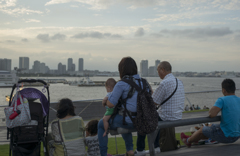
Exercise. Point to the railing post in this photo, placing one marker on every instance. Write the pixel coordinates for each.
(151, 139)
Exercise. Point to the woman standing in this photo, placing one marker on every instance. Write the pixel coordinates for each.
(127, 69)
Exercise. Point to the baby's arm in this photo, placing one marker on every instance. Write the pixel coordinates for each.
(104, 101)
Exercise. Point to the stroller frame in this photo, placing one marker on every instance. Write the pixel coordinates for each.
(45, 119)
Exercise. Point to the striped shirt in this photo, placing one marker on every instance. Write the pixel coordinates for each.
(173, 108)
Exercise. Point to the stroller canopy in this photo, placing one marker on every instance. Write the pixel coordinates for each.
(33, 93)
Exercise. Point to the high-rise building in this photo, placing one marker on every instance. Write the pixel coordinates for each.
(60, 68)
(151, 71)
(73, 67)
(24, 63)
(80, 64)
(36, 66)
(70, 62)
(144, 68)
(5, 64)
(64, 71)
(156, 65)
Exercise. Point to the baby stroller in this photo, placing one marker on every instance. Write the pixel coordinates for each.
(26, 140)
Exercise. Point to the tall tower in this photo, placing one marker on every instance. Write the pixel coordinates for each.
(80, 64)
(24, 63)
(144, 68)
(70, 62)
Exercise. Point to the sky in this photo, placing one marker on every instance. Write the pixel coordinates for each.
(193, 35)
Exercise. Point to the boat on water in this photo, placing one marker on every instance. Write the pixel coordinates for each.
(76, 83)
(7, 79)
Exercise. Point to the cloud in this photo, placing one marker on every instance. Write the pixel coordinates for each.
(24, 40)
(10, 41)
(46, 38)
(32, 21)
(140, 32)
(58, 36)
(200, 24)
(198, 32)
(19, 11)
(116, 36)
(95, 34)
(43, 37)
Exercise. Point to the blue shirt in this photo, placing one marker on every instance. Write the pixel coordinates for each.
(230, 120)
(121, 89)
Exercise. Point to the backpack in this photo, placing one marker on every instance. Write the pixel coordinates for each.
(168, 140)
(146, 119)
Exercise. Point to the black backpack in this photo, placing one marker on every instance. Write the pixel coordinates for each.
(146, 119)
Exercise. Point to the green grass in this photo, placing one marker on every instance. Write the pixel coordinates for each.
(201, 110)
(4, 149)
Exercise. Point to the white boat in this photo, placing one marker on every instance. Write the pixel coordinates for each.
(87, 82)
(76, 83)
(7, 79)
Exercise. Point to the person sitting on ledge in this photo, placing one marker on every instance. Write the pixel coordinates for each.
(205, 107)
(197, 108)
(228, 131)
(186, 108)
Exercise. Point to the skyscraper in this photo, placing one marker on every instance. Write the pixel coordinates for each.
(36, 66)
(144, 67)
(24, 63)
(70, 62)
(5, 64)
(80, 64)
(156, 65)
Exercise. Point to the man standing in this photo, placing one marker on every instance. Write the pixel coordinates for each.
(228, 131)
(171, 109)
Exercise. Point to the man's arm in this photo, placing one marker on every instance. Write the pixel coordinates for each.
(214, 111)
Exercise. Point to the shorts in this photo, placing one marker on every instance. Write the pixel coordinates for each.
(109, 112)
(215, 133)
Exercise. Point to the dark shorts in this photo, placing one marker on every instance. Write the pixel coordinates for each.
(215, 133)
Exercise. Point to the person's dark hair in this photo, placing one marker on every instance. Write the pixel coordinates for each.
(127, 66)
(65, 107)
(166, 66)
(92, 127)
(229, 85)
(111, 82)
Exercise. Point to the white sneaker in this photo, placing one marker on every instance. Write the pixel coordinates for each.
(157, 150)
(139, 153)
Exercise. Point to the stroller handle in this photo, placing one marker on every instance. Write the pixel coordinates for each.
(32, 81)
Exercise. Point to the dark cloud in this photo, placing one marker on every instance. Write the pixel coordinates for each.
(116, 36)
(24, 40)
(46, 38)
(43, 37)
(156, 35)
(140, 32)
(107, 34)
(96, 34)
(58, 36)
(10, 41)
(198, 32)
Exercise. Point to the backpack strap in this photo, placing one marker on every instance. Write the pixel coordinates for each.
(170, 95)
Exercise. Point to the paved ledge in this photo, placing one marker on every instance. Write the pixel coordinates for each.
(207, 150)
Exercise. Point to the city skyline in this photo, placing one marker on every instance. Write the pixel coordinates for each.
(195, 35)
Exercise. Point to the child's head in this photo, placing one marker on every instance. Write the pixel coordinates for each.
(110, 83)
(92, 127)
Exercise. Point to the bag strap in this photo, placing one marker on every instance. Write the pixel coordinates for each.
(170, 95)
